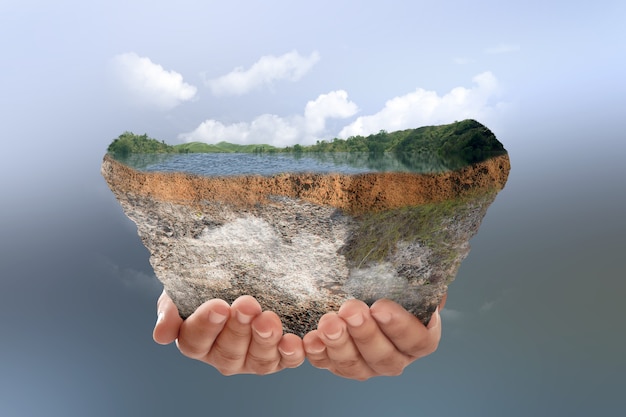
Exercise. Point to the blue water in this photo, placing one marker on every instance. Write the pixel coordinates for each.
(226, 164)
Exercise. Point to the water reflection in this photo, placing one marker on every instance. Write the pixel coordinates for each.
(218, 164)
(389, 162)
(144, 161)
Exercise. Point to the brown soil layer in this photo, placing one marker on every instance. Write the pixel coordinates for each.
(353, 194)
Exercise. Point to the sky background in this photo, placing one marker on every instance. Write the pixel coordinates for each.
(534, 322)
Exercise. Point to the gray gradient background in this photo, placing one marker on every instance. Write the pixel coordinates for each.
(534, 324)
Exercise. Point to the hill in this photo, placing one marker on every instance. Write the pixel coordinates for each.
(466, 140)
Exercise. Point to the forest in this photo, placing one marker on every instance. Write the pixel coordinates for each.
(467, 140)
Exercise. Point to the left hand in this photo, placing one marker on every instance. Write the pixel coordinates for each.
(235, 339)
(360, 342)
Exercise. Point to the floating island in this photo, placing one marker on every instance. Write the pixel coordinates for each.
(303, 242)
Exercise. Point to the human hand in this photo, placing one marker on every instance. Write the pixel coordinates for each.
(360, 342)
(235, 339)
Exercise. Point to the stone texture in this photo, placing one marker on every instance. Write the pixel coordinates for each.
(304, 243)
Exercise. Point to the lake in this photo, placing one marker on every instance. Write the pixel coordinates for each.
(217, 164)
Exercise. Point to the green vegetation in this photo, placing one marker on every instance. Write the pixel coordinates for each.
(432, 225)
(128, 143)
(223, 147)
(467, 141)
(375, 143)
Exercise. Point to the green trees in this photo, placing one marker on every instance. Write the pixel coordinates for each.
(129, 142)
(470, 141)
(467, 142)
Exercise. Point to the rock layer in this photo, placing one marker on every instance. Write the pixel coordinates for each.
(303, 243)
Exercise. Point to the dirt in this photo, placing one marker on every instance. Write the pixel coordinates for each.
(353, 194)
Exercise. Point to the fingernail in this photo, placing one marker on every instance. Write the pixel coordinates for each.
(355, 320)
(216, 318)
(160, 316)
(243, 318)
(315, 350)
(434, 319)
(286, 352)
(334, 335)
(382, 317)
(263, 335)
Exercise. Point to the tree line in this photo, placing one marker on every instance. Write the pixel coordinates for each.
(467, 140)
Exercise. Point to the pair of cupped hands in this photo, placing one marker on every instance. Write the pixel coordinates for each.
(357, 342)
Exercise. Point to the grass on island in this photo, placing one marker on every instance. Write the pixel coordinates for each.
(433, 225)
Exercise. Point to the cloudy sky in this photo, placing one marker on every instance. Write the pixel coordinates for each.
(336, 70)
(282, 74)
(534, 322)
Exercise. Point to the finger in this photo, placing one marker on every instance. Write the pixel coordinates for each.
(168, 321)
(199, 331)
(291, 351)
(230, 349)
(434, 335)
(377, 351)
(315, 350)
(404, 330)
(344, 356)
(434, 326)
(263, 356)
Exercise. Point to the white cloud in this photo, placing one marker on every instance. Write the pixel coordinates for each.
(503, 48)
(269, 68)
(275, 130)
(150, 85)
(332, 105)
(268, 128)
(418, 108)
(423, 107)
